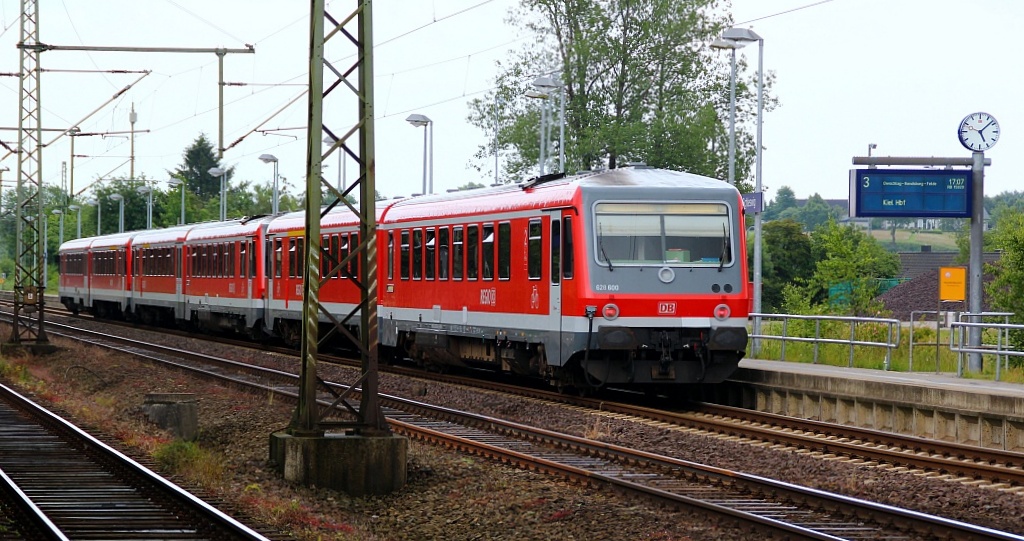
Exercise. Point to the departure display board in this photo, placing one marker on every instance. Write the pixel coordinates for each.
(910, 193)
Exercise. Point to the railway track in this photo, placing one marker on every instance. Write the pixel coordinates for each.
(60, 483)
(991, 468)
(765, 506)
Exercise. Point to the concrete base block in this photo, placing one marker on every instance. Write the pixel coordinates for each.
(176, 412)
(356, 465)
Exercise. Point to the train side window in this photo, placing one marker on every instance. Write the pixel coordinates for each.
(487, 252)
(417, 254)
(291, 256)
(252, 259)
(232, 268)
(458, 253)
(278, 257)
(391, 255)
(344, 251)
(431, 255)
(336, 255)
(556, 250)
(504, 251)
(442, 253)
(472, 251)
(567, 248)
(533, 249)
(353, 245)
(403, 261)
(243, 258)
(300, 257)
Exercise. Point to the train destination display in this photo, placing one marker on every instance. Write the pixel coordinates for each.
(910, 193)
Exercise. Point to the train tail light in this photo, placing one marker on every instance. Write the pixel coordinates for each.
(722, 312)
(610, 311)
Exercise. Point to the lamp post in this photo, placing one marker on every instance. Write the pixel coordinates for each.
(270, 158)
(99, 230)
(543, 125)
(547, 84)
(146, 190)
(742, 35)
(60, 234)
(732, 45)
(176, 182)
(427, 124)
(342, 163)
(120, 221)
(223, 174)
(78, 211)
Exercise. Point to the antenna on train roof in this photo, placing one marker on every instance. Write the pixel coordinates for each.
(541, 180)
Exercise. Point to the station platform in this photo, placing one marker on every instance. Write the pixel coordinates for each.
(936, 406)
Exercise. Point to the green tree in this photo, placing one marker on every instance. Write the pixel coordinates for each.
(784, 199)
(1006, 290)
(786, 259)
(640, 84)
(198, 159)
(848, 259)
(815, 213)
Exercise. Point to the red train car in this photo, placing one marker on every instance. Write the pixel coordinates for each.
(339, 230)
(631, 277)
(634, 277)
(224, 277)
(95, 274)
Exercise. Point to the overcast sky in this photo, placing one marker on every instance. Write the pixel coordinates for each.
(897, 73)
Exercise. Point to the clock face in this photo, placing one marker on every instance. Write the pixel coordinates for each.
(978, 132)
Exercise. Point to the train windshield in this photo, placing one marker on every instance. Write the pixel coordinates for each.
(658, 234)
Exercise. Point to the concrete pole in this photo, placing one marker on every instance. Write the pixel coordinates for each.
(756, 344)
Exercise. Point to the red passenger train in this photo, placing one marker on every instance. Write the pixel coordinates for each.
(633, 277)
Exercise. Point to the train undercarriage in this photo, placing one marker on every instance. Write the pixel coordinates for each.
(632, 359)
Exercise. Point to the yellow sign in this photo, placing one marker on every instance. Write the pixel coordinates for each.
(952, 283)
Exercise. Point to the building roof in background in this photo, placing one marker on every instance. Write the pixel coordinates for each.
(916, 263)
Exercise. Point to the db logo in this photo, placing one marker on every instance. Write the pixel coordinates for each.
(666, 308)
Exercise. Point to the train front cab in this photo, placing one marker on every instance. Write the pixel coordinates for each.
(662, 297)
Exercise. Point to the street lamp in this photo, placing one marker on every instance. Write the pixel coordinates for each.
(223, 174)
(547, 84)
(270, 158)
(742, 35)
(146, 190)
(418, 121)
(78, 210)
(732, 45)
(175, 182)
(60, 235)
(543, 124)
(342, 163)
(99, 208)
(120, 222)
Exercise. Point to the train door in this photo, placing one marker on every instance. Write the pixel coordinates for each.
(554, 278)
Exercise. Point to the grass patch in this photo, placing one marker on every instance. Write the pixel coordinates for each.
(189, 460)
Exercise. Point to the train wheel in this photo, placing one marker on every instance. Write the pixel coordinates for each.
(290, 333)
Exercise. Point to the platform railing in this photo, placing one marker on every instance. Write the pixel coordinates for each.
(893, 329)
(1001, 347)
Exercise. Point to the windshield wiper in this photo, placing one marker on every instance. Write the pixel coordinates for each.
(725, 248)
(600, 246)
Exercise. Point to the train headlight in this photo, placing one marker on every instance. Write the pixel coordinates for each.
(722, 312)
(610, 311)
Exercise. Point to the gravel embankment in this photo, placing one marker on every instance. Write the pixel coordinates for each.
(452, 496)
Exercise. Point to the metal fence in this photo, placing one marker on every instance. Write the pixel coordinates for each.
(1001, 347)
(892, 340)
